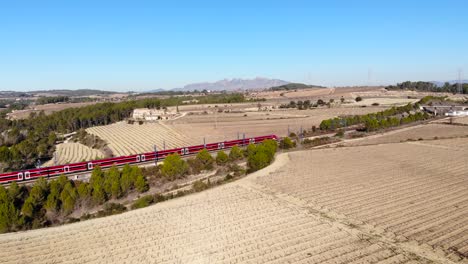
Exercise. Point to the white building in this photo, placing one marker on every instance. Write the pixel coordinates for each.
(153, 114)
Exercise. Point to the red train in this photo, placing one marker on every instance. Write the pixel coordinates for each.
(27, 175)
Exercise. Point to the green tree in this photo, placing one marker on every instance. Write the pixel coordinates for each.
(221, 158)
(16, 194)
(141, 184)
(173, 167)
(53, 199)
(206, 159)
(96, 183)
(36, 199)
(112, 182)
(9, 215)
(258, 160)
(126, 180)
(262, 155)
(68, 198)
(83, 191)
(98, 195)
(236, 153)
(251, 149)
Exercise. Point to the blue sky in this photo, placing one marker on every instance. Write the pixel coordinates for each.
(141, 45)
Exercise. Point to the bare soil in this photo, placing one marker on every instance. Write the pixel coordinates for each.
(394, 203)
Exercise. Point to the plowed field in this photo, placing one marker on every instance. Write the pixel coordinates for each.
(395, 203)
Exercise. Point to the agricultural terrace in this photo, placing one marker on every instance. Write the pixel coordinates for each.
(125, 139)
(74, 152)
(398, 203)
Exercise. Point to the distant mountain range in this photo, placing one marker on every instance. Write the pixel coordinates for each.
(234, 85)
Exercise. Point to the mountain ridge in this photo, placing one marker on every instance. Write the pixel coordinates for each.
(234, 84)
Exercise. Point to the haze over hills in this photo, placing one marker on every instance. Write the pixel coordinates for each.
(234, 84)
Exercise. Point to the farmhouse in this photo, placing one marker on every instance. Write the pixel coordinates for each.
(153, 114)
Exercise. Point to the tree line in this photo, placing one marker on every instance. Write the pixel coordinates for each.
(307, 104)
(46, 202)
(394, 116)
(429, 87)
(52, 99)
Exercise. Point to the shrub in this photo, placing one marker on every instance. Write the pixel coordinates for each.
(199, 186)
(236, 153)
(236, 169)
(340, 133)
(112, 209)
(143, 202)
(317, 141)
(358, 99)
(174, 167)
(375, 104)
(258, 161)
(260, 156)
(287, 143)
(206, 159)
(222, 158)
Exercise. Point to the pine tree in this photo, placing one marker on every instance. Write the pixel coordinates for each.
(9, 215)
(126, 180)
(99, 196)
(83, 191)
(174, 167)
(222, 158)
(96, 186)
(53, 203)
(206, 159)
(68, 198)
(235, 153)
(141, 184)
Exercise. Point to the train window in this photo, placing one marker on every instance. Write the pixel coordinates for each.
(66, 169)
(186, 151)
(137, 158)
(252, 140)
(143, 158)
(27, 175)
(90, 166)
(221, 145)
(20, 176)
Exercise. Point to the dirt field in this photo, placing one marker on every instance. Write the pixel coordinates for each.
(228, 125)
(47, 108)
(125, 139)
(399, 203)
(426, 132)
(409, 193)
(456, 120)
(74, 152)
